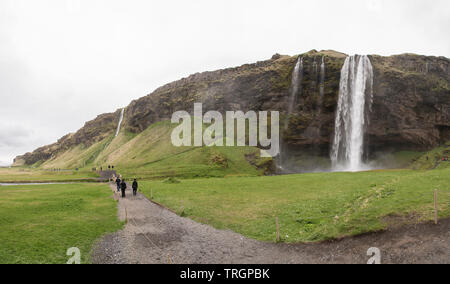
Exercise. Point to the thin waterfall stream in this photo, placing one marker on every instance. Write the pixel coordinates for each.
(120, 122)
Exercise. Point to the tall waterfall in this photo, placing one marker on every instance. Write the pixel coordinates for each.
(314, 66)
(321, 94)
(355, 98)
(297, 78)
(120, 122)
(322, 80)
(295, 90)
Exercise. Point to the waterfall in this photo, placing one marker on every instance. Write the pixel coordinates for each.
(319, 107)
(314, 66)
(120, 122)
(322, 84)
(314, 74)
(355, 97)
(296, 81)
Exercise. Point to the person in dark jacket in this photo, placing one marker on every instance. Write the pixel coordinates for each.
(123, 186)
(118, 184)
(135, 187)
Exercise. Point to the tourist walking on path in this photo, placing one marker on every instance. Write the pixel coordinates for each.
(118, 181)
(123, 186)
(135, 187)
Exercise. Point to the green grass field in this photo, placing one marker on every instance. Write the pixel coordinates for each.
(219, 186)
(39, 223)
(23, 174)
(307, 204)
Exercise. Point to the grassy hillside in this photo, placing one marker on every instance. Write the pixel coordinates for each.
(151, 154)
(310, 207)
(39, 223)
(77, 157)
(433, 159)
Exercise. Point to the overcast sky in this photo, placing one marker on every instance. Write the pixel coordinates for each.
(62, 62)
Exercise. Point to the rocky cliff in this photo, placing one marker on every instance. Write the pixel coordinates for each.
(411, 103)
(411, 108)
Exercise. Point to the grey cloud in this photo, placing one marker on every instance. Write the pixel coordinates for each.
(14, 135)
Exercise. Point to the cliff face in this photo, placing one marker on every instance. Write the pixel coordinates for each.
(411, 106)
(258, 86)
(261, 86)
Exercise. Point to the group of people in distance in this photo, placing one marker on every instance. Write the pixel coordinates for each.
(122, 186)
(109, 168)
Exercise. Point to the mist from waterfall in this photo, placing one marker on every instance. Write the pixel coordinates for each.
(120, 122)
(355, 99)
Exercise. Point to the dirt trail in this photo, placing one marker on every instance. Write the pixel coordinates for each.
(107, 174)
(156, 235)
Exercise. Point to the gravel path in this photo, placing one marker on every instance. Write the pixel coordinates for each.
(156, 235)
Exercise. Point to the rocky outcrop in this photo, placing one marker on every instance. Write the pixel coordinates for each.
(262, 85)
(410, 110)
